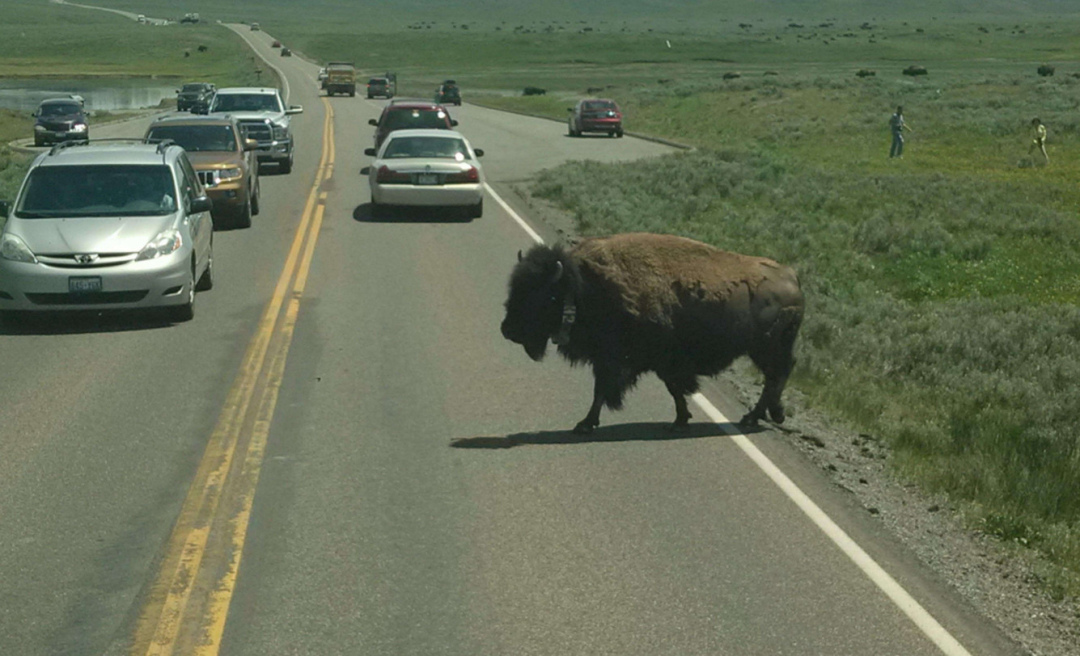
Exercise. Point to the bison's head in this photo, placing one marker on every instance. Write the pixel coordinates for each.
(540, 285)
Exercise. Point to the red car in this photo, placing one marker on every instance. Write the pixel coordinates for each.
(275, 44)
(411, 115)
(595, 115)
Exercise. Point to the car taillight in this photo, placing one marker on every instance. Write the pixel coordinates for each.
(385, 174)
(468, 175)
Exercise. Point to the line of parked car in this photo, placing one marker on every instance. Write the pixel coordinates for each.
(129, 223)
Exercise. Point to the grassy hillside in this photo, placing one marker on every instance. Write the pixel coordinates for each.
(659, 12)
(43, 39)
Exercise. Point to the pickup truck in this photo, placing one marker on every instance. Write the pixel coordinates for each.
(340, 78)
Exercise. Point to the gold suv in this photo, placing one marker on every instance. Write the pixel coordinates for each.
(224, 160)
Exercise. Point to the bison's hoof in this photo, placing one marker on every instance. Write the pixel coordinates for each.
(777, 415)
(749, 420)
(584, 427)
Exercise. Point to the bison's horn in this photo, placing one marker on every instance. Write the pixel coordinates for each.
(558, 272)
(520, 256)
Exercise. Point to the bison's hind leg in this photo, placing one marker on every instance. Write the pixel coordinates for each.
(775, 361)
(680, 385)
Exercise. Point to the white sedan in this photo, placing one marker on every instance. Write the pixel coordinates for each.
(426, 168)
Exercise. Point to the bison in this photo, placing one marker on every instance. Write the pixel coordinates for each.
(634, 303)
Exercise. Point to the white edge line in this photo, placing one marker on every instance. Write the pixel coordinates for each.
(893, 590)
(886, 583)
(514, 215)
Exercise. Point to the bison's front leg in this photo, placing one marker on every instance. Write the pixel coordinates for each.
(592, 420)
(680, 386)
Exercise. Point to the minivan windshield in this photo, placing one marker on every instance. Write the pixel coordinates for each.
(245, 102)
(197, 138)
(97, 190)
(193, 87)
(59, 109)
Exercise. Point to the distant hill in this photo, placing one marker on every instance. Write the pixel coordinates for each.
(664, 13)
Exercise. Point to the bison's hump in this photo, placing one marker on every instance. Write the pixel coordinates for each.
(654, 273)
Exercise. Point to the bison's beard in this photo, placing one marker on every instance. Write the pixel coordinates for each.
(536, 348)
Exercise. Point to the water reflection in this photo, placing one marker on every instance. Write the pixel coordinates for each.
(101, 95)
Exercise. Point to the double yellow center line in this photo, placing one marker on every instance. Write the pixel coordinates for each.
(188, 602)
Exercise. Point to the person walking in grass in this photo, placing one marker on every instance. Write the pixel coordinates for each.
(897, 125)
(1038, 139)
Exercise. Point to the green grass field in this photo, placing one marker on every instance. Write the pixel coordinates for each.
(942, 288)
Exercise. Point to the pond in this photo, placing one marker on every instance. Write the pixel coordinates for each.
(101, 95)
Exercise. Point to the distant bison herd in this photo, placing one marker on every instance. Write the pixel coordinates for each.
(634, 303)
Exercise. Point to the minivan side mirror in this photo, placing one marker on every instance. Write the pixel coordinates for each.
(250, 144)
(201, 204)
(294, 109)
(5, 208)
(370, 152)
(372, 121)
(479, 152)
(453, 123)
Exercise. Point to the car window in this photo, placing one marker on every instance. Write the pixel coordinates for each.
(416, 119)
(246, 102)
(197, 138)
(59, 109)
(598, 105)
(427, 147)
(97, 190)
(193, 87)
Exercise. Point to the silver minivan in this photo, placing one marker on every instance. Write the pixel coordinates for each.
(107, 226)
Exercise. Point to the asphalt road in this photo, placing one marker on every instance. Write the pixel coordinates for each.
(406, 484)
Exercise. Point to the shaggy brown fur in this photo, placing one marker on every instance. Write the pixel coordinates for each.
(660, 303)
(655, 273)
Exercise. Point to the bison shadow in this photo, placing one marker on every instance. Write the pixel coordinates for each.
(363, 214)
(636, 432)
(79, 322)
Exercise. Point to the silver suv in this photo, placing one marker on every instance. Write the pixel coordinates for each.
(263, 117)
(107, 226)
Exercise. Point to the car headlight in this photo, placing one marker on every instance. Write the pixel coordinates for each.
(230, 174)
(165, 243)
(15, 249)
(79, 127)
(280, 132)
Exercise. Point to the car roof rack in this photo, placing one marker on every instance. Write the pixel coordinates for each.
(162, 144)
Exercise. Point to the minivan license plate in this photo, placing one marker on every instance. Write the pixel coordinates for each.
(84, 285)
(427, 179)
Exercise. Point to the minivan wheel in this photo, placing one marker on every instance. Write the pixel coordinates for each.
(286, 166)
(185, 312)
(206, 280)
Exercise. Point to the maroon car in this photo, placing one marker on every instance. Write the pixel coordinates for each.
(411, 115)
(595, 115)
